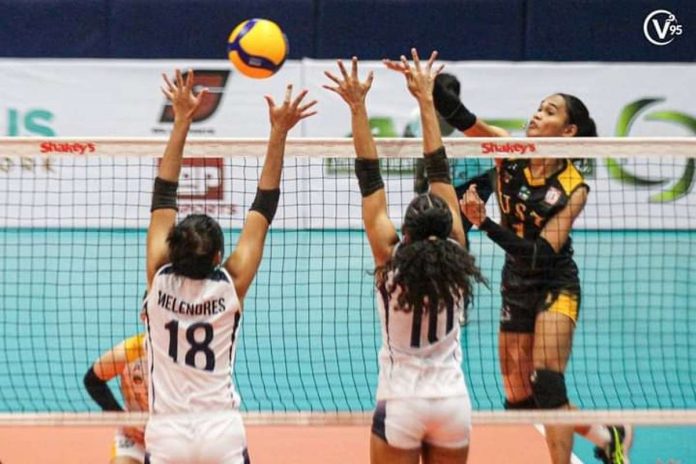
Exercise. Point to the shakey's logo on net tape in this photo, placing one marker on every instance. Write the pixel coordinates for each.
(661, 27)
(215, 80)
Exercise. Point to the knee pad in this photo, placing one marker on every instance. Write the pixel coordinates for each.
(549, 389)
(527, 403)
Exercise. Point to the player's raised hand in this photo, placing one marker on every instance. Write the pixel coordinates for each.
(284, 116)
(180, 93)
(472, 206)
(420, 78)
(348, 86)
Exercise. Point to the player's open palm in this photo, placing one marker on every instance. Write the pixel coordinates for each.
(348, 86)
(180, 94)
(284, 116)
(420, 78)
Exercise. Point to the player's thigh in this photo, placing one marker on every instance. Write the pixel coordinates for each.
(438, 455)
(553, 339)
(382, 452)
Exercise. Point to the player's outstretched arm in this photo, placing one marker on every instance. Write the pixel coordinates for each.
(109, 365)
(164, 208)
(454, 112)
(420, 79)
(246, 258)
(381, 232)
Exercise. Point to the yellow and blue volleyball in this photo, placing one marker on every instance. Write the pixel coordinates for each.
(257, 48)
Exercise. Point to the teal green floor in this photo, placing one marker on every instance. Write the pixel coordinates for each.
(310, 331)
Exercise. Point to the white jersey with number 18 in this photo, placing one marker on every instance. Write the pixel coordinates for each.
(192, 327)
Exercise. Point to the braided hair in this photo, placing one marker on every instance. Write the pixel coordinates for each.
(431, 271)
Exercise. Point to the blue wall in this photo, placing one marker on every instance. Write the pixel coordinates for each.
(550, 30)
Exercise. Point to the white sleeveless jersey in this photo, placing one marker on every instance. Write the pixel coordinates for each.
(419, 357)
(134, 377)
(192, 328)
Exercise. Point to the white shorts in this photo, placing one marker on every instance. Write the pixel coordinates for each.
(408, 423)
(124, 447)
(206, 438)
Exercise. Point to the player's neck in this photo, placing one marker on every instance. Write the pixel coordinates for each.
(541, 168)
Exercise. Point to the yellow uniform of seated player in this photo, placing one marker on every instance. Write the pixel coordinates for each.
(128, 362)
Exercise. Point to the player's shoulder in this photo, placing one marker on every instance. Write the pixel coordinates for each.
(570, 178)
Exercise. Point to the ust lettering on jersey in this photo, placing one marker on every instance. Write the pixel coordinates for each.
(526, 204)
(192, 326)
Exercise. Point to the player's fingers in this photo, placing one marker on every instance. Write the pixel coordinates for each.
(306, 115)
(416, 59)
(333, 89)
(288, 94)
(168, 82)
(332, 77)
(167, 93)
(189, 79)
(439, 69)
(342, 68)
(354, 67)
(307, 106)
(431, 60)
(179, 79)
(370, 78)
(296, 102)
(269, 101)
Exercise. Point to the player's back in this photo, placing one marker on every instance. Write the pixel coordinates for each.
(192, 327)
(421, 353)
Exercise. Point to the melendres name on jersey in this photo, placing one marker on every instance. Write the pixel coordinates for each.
(176, 305)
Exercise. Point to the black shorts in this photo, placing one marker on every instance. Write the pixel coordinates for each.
(524, 297)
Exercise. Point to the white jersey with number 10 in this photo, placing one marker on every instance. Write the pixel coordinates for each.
(192, 327)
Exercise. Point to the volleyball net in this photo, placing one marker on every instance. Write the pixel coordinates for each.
(73, 220)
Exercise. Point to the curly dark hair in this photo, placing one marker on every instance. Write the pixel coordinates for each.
(193, 244)
(431, 270)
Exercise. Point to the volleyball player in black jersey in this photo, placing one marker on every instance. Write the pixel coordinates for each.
(539, 201)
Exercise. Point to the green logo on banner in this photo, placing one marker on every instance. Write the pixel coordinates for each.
(627, 118)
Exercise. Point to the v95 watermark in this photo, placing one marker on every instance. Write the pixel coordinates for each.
(661, 27)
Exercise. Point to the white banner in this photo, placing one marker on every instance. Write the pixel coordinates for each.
(84, 98)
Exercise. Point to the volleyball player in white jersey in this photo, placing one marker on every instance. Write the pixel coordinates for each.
(423, 282)
(128, 362)
(194, 301)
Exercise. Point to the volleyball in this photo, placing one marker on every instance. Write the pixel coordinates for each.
(257, 48)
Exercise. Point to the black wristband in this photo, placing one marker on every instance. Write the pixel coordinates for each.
(369, 177)
(266, 203)
(164, 195)
(100, 392)
(449, 106)
(437, 167)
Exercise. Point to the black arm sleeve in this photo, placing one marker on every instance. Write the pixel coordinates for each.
(537, 254)
(100, 392)
(449, 106)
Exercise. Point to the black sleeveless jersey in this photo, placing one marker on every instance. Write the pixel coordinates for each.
(527, 204)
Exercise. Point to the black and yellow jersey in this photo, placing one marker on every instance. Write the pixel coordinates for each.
(527, 204)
